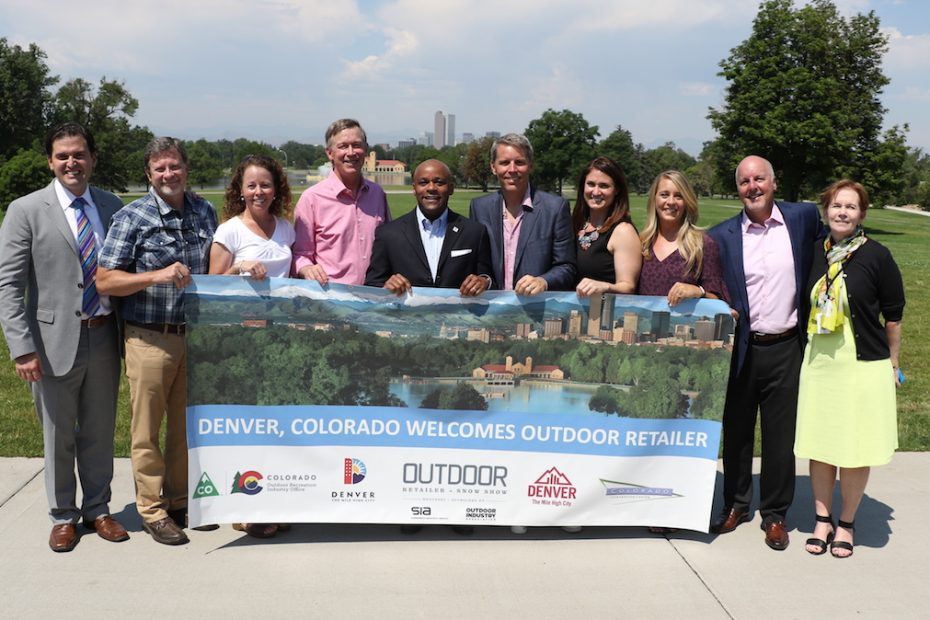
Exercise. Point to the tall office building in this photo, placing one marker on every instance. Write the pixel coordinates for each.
(450, 130)
(439, 130)
(660, 324)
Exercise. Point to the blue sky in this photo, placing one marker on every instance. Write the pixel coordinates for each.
(276, 70)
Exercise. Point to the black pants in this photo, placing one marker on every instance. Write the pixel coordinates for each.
(767, 384)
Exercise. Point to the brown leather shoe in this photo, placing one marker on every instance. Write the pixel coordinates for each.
(63, 538)
(729, 519)
(776, 535)
(165, 531)
(108, 528)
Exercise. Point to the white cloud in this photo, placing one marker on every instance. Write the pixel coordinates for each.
(696, 89)
(907, 52)
(400, 45)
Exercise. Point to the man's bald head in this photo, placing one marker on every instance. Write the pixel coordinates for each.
(433, 185)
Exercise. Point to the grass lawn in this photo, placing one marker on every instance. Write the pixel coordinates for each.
(906, 235)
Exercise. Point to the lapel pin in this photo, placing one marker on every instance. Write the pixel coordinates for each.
(455, 229)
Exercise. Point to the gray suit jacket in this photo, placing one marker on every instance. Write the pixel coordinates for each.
(546, 247)
(41, 284)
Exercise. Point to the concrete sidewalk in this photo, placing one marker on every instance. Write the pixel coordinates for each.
(371, 571)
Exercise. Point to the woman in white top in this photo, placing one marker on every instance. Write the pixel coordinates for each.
(256, 238)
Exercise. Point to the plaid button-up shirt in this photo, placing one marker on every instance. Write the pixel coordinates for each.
(147, 235)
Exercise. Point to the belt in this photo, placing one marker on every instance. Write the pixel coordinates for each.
(96, 321)
(165, 328)
(759, 338)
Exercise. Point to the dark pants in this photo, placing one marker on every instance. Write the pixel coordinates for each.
(767, 384)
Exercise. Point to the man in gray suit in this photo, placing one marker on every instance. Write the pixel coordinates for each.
(532, 244)
(62, 334)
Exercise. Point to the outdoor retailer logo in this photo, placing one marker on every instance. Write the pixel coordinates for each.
(354, 471)
(247, 482)
(552, 487)
(205, 487)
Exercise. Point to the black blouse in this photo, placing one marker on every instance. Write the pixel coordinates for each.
(873, 287)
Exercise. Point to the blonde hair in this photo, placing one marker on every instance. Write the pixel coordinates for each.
(690, 236)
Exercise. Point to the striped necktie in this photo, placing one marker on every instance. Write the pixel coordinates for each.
(88, 251)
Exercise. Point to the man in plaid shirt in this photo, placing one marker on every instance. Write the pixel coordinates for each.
(153, 246)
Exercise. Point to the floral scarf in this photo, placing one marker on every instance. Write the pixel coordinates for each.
(827, 311)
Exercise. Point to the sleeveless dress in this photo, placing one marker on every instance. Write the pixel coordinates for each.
(847, 410)
(597, 262)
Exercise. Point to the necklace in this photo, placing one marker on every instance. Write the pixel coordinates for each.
(585, 237)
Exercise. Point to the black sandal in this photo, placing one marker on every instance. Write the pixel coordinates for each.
(842, 544)
(819, 542)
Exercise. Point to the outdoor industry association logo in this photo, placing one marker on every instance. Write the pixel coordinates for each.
(354, 471)
(205, 487)
(247, 482)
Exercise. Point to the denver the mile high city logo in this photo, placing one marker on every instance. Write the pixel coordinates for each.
(552, 488)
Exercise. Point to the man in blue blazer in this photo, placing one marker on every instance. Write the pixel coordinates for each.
(766, 252)
(532, 243)
(431, 245)
(62, 334)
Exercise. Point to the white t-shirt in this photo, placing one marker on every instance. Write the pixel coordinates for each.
(243, 244)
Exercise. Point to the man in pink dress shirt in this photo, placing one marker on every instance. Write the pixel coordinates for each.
(335, 220)
(766, 254)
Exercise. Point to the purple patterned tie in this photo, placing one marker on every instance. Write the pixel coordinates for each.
(88, 250)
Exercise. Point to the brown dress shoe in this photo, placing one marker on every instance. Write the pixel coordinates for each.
(63, 537)
(108, 528)
(165, 531)
(729, 519)
(776, 535)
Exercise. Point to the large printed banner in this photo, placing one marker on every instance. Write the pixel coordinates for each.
(348, 404)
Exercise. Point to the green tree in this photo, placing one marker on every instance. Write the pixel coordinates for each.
(24, 97)
(662, 158)
(803, 91)
(106, 112)
(24, 173)
(205, 166)
(620, 147)
(477, 164)
(563, 143)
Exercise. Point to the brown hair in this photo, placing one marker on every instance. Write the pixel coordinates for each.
(280, 206)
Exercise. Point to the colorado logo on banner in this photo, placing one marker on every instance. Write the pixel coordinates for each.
(352, 405)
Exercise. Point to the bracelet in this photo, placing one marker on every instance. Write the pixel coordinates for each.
(703, 292)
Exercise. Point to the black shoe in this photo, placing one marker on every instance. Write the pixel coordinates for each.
(179, 516)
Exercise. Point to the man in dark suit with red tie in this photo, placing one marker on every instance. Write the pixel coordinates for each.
(431, 246)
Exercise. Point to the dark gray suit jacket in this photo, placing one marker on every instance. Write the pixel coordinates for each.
(398, 248)
(546, 246)
(41, 283)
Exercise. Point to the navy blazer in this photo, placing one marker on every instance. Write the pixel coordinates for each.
(398, 248)
(804, 227)
(546, 247)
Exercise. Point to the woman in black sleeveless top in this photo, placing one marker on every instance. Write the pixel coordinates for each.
(609, 257)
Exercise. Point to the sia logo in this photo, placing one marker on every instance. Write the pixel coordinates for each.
(247, 482)
(354, 471)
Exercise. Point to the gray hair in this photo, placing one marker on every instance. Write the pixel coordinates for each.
(515, 140)
(341, 125)
(163, 144)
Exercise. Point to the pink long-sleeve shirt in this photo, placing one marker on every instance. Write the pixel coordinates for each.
(335, 228)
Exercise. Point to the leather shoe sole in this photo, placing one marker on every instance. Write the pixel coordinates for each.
(108, 528)
(729, 521)
(63, 538)
(776, 535)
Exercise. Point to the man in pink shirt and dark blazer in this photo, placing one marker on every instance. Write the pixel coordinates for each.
(335, 220)
(532, 243)
(766, 253)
